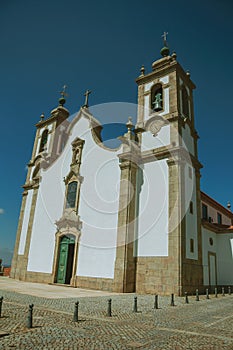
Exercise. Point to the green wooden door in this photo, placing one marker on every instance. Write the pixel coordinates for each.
(64, 258)
(62, 262)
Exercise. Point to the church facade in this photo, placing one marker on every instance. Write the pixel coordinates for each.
(129, 219)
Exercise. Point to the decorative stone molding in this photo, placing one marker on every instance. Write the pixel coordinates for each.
(155, 124)
(69, 219)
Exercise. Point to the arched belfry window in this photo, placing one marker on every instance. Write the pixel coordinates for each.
(157, 98)
(71, 194)
(44, 139)
(185, 101)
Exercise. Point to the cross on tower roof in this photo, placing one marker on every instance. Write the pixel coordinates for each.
(87, 93)
(164, 36)
(63, 92)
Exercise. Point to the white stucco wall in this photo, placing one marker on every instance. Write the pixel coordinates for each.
(187, 139)
(206, 248)
(100, 189)
(225, 258)
(23, 234)
(153, 210)
(223, 248)
(213, 212)
(161, 139)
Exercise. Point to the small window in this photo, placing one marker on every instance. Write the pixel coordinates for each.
(44, 139)
(219, 218)
(157, 98)
(191, 207)
(191, 245)
(204, 212)
(211, 241)
(71, 195)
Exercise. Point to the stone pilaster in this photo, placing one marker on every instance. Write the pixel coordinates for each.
(125, 263)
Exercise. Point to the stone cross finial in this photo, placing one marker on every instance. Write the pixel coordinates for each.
(164, 36)
(87, 93)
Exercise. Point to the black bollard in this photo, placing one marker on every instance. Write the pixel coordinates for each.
(30, 312)
(75, 319)
(172, 300)
(135, 305)
(109, 313)
(207, 293)
(1, 301)
(186, 298)
(216, 292)
(223, 292)
(229, 290)
(197, 295)
(156, 304)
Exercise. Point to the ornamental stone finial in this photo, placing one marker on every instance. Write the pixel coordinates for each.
(63, 93)
(142, 70)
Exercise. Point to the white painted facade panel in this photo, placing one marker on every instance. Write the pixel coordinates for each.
(100, 189)
(24, 229)
(225, 259)
(206, 248)
(187, 140)
(161, 139)
(153, 211)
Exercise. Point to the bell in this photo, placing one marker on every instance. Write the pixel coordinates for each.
(158, 102)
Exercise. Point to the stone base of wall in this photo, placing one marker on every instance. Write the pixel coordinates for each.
(157, 275)
(161, 275)
(94, 283)
(192, 278)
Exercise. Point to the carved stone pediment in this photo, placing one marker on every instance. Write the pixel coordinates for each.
(69, 219)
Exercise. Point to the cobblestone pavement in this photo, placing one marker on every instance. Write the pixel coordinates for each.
(206, 324)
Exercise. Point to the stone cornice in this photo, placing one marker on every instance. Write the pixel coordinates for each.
(220, 229)
(165, 66)
(213, 203)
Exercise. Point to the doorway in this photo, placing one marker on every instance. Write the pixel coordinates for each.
(212, 269)
(65, 259)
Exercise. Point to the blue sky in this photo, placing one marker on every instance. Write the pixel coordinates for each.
(101, 45)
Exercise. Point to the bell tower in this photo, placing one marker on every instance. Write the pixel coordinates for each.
(50, 138)
(168, 139)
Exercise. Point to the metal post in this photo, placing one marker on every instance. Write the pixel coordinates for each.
(216, 292)
(156, 304)
(109, 313)
(186, 298)
(207, 293)
(229, 290)
(223, 291)
(172, 300)
(135, 305)
(197, 295)
(75, 319)
(30, 312)
(1, 301)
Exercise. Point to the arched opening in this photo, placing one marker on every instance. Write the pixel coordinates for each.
(65, 259)
(157, 98)
(185, 101)
(44, 139)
